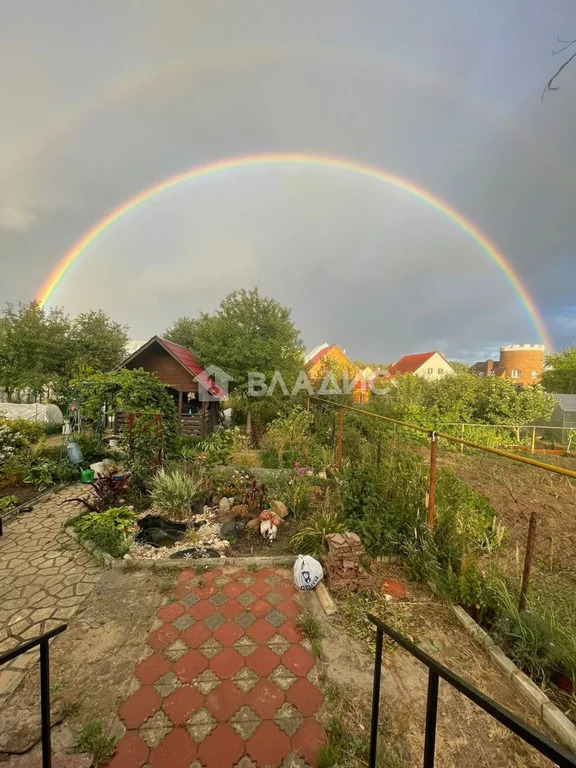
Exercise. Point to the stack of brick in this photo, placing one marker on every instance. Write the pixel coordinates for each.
(343, 562)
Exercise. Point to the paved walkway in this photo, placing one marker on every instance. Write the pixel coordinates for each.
(228, 683)
(44, 578)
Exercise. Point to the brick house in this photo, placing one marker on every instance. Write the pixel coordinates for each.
(521, 363)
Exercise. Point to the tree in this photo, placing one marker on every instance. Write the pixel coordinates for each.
(459, 367)
(560, 373)
(500, 401)
(97, 341)
(183, 332)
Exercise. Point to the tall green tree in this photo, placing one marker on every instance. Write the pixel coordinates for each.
(500, 401)
(97, 341)
(560, 373)
(183, 332)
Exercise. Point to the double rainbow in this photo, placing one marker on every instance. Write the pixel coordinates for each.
(62, 267)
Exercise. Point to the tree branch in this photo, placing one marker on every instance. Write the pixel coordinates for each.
(549, 85)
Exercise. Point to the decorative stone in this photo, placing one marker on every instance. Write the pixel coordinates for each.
(254, 524)
(200, 725)
(240, 510)
(228, 530)
(224, 506)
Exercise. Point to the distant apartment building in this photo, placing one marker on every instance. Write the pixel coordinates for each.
(521, 363)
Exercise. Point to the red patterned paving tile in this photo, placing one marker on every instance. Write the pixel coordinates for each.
(222, 749)
(226, 663)
(225, 701)
(205, 591)
(260, 588)
(228, 633)
(182, 703)
(308, 739)
(181, 590)
(266, 699)
(260, 608)
(177, 750)
(289, 608)
(149, 670)
(189, 666)
(305, 697)
(211, 575)
(262, 573)
(162, 637)
(140, 706)
(291, 631)
(263, 661)
(288, 590)
(233, 589)
(170, 612)
(186, 574)
(261, 631)
(131, 752)
(298, 660)
(268, 745)
(231, 609)
(195, 635)
(202, 610)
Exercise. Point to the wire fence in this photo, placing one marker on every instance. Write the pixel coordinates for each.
(536, 504)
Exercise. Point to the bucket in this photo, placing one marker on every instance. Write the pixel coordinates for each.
(86, 475)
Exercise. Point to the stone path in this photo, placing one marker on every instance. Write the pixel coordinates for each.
(44, 578)
(228, 682)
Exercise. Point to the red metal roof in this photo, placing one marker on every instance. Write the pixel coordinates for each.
(186, 358)
(409, 363)
(320, 354)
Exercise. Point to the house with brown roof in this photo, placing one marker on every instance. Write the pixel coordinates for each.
(429, 365)
(197, 396)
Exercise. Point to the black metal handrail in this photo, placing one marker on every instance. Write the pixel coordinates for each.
(43, 642)
(559, 755)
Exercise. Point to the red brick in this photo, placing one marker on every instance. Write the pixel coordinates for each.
(305, 697)
(213, 574)
(162, 637)
(149, 670)
(263, 661)
(202, 610)
(182, 703)
(181, 590)
(195, 635)
(261, 631)
(186, 574)
(131, 752)
(189, 666)
(226, 663)
(170, 612)
(291, 631)
(231, 609)
(225, 701)
(260, 588)
(298, 660)
(268, 745)
(177, 750)
(234, 589)
(289, 608)
(228, 633)
(260, 608)
(266, 698)
(222, 749)
(140, 706)
(308, 739)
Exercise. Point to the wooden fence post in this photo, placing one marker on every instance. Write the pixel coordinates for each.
(432, 483)
(530, 541)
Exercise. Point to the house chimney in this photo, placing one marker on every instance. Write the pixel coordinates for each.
(489, 367)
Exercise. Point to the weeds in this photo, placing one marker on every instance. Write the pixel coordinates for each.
(310, 626)
(96, 742)
(317, 648)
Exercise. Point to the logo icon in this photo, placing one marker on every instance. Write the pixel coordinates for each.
(215, 384)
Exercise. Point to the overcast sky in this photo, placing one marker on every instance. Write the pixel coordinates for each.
(102, 99)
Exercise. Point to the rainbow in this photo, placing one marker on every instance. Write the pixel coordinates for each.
(286, 158)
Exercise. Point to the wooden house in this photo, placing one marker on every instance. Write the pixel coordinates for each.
(196, 396)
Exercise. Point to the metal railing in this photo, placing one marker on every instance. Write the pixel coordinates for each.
(558, 754)
(43, 642)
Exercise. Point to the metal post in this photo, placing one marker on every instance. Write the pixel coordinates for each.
(462, 437)
(533, 440)
(340, 431)
(45, 704)
(432, 486)
(379, 453)
(530, 541)
(308, 403)
(376, 700)
(431, 713)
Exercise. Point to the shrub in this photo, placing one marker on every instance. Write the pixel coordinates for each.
(218, 448)
(107, 492)
(173, 492)
(107, 530)
(309, 537)
(29, 431)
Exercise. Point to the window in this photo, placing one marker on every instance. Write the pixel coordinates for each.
(514, 374)
(440, 371)
(430, 370)
(535, 374)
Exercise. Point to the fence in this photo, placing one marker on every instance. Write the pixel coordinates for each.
(433, 439)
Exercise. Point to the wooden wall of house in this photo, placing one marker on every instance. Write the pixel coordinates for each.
(157, 360)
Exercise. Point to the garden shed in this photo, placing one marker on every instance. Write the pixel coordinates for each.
(563, 419)
(196, 396)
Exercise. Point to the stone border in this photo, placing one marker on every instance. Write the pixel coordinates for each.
(209, 562)
(554, 718)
